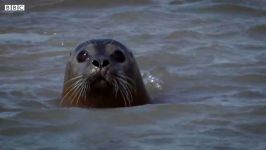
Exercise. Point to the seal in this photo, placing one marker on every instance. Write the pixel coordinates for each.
(102, 73)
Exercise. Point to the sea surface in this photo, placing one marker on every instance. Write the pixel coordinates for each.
(203, 63)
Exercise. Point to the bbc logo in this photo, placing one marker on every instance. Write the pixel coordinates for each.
(14, 7)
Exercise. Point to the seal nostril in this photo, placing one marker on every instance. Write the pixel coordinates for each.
(96, 63)
(105, 63)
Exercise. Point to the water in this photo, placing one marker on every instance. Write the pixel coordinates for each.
(203, 62)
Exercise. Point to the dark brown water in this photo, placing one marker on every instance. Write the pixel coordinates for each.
(203, 61)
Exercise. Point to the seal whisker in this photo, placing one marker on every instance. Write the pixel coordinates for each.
(128, 87)
(124, 98)
(73, 84)
(69, 90)
(88, 82)
(124, 90)
(128, 93)
(129, 81)
(84, 92)
(127, 78)
(76, 92)
(80, 92)
(131, 91)
(121, 90)
(75, 78)
(115, 90)
(86, 88)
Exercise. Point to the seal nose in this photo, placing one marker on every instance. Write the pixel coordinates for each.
(100, 64)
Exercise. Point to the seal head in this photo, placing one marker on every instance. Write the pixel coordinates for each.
(102, 73)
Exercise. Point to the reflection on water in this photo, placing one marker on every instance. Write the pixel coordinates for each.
(203, 63)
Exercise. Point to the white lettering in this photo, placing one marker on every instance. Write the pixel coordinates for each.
(15, 7)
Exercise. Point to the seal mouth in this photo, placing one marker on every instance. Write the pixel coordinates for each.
(99, 81)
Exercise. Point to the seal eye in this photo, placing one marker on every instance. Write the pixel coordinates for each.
(82, 56)
(119, 56)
